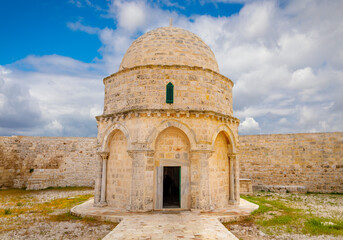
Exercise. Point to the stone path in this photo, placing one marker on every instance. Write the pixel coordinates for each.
(168, 225)
(183, 225)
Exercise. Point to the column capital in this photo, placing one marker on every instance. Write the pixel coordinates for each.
(104, 155)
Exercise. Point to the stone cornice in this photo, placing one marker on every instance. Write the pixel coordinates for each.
(168, 112)
(183, 67)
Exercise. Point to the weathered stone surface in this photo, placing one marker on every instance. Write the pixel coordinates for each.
(205, 91)
(169, 46)
(182, 133)
(41, 162)
(310, 160)
(245, 186)
(260, 156)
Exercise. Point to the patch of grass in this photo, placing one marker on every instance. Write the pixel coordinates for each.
(18, 205)
(276, 215)
(322, 226)
(277, 220)
(67, 217)
(63, 217)
(7, 211)
(13, 192)
(67, 188)
(61, 203)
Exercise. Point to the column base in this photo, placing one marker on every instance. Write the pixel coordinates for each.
(233, 202)
(100, 204)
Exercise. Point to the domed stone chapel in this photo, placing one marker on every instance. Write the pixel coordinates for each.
(167, 137)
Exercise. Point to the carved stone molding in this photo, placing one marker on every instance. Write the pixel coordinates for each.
(104, 155)
(167, 113)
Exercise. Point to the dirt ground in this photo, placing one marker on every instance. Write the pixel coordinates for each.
(45, 215)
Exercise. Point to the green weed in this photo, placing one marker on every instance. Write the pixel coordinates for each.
(7, 211)
(322, 226)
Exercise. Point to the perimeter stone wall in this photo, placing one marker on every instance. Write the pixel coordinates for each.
(313, 161)
(41, 162)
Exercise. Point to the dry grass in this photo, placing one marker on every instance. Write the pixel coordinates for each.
(34, 214)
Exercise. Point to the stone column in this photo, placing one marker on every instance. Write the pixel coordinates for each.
(104, 156)
(232, 175)
(97, 187)
(236, 171)
(234, 179)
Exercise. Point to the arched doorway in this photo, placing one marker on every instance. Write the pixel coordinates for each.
(172, 154)
(219, 175)
(119, 172)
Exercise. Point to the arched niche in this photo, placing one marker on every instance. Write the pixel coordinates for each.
(172, 162)
(219, 172)
(171, 123)
(229, 134)
(109, 133)
(119, 171)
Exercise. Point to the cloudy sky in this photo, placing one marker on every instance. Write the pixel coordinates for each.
(285, 58)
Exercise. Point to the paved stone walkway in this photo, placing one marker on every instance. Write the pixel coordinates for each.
(183, 225)
(168, 225)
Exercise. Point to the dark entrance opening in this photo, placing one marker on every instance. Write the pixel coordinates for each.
(171, 187)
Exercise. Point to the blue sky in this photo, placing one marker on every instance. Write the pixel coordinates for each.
(285, 58)
(41, 27)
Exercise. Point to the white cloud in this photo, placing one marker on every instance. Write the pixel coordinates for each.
(303, 78)
(53, 98)
(131, 15)
(55, 126)
(76, 3)
(79, 26)
(249, 126)
(3, 100)
(96, 110)
(286, 62)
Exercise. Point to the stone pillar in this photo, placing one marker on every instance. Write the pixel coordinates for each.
(200, 181)
(142, 181)
(104, 156)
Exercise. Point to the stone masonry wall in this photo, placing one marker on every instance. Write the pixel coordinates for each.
(313, 160)
(41, 162)
(119, 173)
(145, 88)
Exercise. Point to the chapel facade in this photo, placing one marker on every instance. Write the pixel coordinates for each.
(167, 137)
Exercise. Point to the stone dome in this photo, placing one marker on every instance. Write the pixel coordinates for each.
(169, 46)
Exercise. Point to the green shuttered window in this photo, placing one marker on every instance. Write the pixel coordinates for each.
(170, 93)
